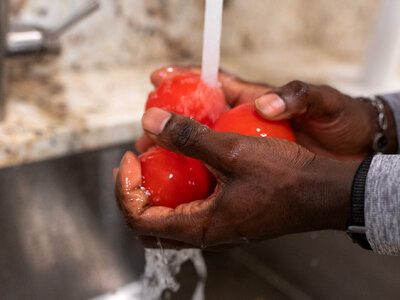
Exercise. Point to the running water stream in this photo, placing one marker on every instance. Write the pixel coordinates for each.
(212, 42)
(163, 265)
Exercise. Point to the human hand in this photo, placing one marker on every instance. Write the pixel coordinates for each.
(236, 91)
(326, 121)
(267, 187)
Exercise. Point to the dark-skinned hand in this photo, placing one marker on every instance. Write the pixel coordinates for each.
(324, 120)
(267, 187)
(236, 91)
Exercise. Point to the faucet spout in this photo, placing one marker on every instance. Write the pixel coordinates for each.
(26, 40)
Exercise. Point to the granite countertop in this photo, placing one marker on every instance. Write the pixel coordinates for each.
(70, 111)
(51, 113)
(51, 116)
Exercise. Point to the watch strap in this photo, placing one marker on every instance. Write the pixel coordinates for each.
(356, 225)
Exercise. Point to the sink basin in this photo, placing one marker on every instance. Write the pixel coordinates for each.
(62, 237)
(62, 234)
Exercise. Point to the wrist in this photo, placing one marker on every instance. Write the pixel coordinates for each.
(330, 183)
(356, 223)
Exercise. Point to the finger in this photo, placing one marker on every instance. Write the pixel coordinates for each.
(144, 143)
(220, 150)
(299, 99)
(131, 198)
(186, 223)
(159, 243)
(236, 90)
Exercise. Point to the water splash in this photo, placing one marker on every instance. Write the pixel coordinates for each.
(162, 265)
(162, 252)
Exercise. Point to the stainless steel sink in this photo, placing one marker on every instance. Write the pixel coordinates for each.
(61, 233)
(62, 237)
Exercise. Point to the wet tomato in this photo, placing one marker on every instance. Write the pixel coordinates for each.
(171, 179)
(244, 119)
(188, 95)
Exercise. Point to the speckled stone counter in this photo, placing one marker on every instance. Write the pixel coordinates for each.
(64, 111)
(93, 94)
(50, 116)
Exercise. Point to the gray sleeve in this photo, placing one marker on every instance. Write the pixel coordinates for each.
(394, 102)
(382, 204)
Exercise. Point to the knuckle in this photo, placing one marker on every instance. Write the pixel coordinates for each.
(236, 151)
(185, 134)
(297, 88)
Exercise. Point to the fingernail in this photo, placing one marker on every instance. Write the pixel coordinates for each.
(271, 105)
(154, 120)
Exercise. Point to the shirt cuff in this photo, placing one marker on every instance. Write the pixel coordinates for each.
(382, 204)
(393, 100)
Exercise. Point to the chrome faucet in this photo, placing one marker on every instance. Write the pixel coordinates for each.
(25, 40)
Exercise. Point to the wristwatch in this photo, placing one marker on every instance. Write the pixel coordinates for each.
(356, 224)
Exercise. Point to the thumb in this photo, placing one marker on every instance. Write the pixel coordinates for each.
(299, 99)
(184, 135)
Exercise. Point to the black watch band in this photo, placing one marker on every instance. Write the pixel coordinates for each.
(356, 224)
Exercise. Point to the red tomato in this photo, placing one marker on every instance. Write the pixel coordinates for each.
(245, 120)
(171, 179)
(188, 95)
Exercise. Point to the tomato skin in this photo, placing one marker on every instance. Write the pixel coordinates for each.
(171, 179)
(245, 120)
(187, 95)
